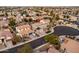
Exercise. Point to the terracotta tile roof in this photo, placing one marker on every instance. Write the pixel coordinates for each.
(6, 34)
(23, 29)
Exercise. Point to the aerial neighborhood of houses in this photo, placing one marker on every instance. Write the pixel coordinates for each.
(39, 29)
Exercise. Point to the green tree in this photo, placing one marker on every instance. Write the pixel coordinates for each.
(53, 39)
(16, 39)
(26, 48)
(12, 22)
(30, 20)
(24, 12)
(25, 20)
(57, 17)
(64, 16)
(77, 12)
(51, 13)
(53, 18)
(49, 28)
(67, 16)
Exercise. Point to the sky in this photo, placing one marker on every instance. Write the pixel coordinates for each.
(39, 3)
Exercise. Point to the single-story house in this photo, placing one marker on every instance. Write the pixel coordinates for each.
(42, 24)
(23, 30)
(6, 37)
